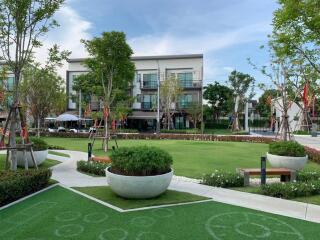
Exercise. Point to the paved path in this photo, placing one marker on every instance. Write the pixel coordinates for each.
(307, 140)
(67, 174)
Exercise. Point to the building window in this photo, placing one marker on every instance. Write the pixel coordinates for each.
(185, 79)
(148, 101)
(138, 77)
(150, 80)
(179, 123)
(185, 100)
(10, 83)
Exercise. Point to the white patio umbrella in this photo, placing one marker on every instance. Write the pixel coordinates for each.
(66, 117)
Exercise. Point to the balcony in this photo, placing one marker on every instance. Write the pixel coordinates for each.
(146, 105)
(191, 84)
(149, 85)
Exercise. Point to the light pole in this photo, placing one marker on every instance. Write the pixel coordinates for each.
(158, 100)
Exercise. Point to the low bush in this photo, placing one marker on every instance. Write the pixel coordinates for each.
(141, 161)
(307, 176)
(92, 167)
(313, 154)
(38, 144)
(291, 190)
(15, 185)
(223, 179)
(55, 147)
(287, 148)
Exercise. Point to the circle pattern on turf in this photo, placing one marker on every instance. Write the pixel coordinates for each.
(67, 216)
(243, 225)
(70, 230)
(142, 221)
(113, 234)
(95, 217)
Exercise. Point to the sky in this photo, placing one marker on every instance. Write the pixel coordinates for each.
(227, 32)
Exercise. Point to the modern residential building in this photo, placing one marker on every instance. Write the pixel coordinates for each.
(149, 70)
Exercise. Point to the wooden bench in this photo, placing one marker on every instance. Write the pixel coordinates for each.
(285, 174)
(101, 159)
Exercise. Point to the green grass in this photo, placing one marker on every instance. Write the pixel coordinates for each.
(191, 158)
(59, 154)
(46, 164)
(105, 194)
(61, 214)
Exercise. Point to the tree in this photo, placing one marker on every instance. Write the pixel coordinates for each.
(170, 90)
(263, 106)
(219, 97)
(22, 24)
(296, 30)
(42, 90)
(194, 110)
(110, 69)
(242, 86)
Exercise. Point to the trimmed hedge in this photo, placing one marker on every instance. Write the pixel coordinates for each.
(223, 179)
(287, 148)
(141, 161)
(92, 167)
(291, 190)
(15, 185)
(313, 154)
(307, 176)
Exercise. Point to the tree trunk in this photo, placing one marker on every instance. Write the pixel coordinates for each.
(12, 140)
(106, 138)
(38, 127)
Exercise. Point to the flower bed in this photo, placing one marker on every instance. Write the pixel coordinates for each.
(313, 154)
(15, 185)
(91, 167)
(223, 179)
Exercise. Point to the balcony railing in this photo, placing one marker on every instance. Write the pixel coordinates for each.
(149, 85)
(146, 105)
(190, 84)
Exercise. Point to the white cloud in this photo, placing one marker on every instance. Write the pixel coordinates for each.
(72, 29)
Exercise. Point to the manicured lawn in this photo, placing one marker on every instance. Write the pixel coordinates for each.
(59, 154)
(169, 197)
(61, 214)
(46, 164)
(191, 158)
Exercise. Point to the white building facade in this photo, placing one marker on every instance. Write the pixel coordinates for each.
(149, 70)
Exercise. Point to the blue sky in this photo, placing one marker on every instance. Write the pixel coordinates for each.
(227, 32)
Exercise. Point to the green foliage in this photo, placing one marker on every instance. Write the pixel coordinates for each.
(55, 147)
(263, 107)
(141, 161)
(15, 185)
(194, 110)
(287, 148)
(307, 176)
(223, 179)
(92, 167)
(241, 84)
(291, 190)
(220, 98)
(38, 144)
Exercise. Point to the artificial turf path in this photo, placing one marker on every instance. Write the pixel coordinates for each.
(104, 193)
(190, 158)
(59, 213)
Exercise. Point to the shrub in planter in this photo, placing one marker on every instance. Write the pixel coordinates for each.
(287, 154)
(223, 179)
(291, 190)
(287, 148)
(141, 161)
(139, 172)
(15, 185)
(92, 167)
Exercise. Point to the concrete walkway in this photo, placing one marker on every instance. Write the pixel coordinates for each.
(67, 174)
(307, 140)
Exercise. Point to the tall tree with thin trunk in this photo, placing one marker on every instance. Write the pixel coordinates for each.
(170, 90)
(22, 24)
(110, 63)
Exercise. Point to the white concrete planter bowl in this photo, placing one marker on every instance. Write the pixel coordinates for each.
(138, 187)
(293, 163)
(39, 156)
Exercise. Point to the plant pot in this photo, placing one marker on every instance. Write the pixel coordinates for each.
(138, 187)
(39, 157)
(293, 163)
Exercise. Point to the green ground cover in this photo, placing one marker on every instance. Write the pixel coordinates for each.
(105, 194)
(191, 158)
(61, 214)
(46, 164)
(59, 154)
